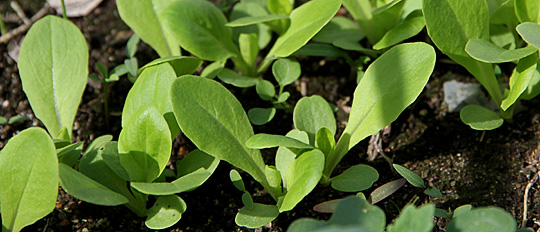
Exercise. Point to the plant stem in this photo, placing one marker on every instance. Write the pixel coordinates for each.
(106, 102)
(2, 26)
(64, 10)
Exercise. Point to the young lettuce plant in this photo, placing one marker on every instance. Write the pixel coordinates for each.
(214, 120)
(485, 40)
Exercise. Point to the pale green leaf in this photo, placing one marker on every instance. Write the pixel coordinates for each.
(355, 179)
(213, 119)
(409, 27)
(143, 17)
(86, 189)
(306, 21)
(325, 141)
(212, 70)
(283, 7)
(112, 159)
(251, 10)
(29, 177)
(339, 27)
(265, 89)
(302, 176)
(411, 177)
(488, 52)
(520, 79)
(53, 66)
(166, 212)
(233, 78)
(483, 220)
(480, 118)
(182, 65)
(530, 32)
(285, 157)
(256, 216)
(527, 10)
(183, 184)
(251, 20)
(261, 141)
(413, 219)
(286, 71)
(461, 210)
(313, 113)
(249, 48)
(145, 144)
(237, 181)
(152, 89)
(261, 116)
(199, 27)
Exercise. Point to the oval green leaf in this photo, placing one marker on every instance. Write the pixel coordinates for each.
(53, 65)
(488, 52)
(302, 176)
(29, 177)
(233, 78)
(86, 189)
(143, 17)
(145, 144)
(286, 71)
(261, 116)
(256, 216)
(166, 212)
(355, 179)
(480, 118)
(152, 89)
(530, 32)
(313, 113)
(265, 90)
(483, 220)
(520, 79)
(261, 141)
(199, 27)
(527, 10)
(285, 157)
(413, 219)
(409, 27)
(306, 21)
(411, 177)
(434, 192)
(339, 27)
(213, 119)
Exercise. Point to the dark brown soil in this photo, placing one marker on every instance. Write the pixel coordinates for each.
(469, 167)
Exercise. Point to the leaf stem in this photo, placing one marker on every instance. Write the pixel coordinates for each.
(64, 10)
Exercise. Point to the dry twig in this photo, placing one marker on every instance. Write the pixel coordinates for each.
(40, 14)
(525, 198)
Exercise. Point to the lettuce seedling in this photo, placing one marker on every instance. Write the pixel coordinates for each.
(485, 40)
(211, 117)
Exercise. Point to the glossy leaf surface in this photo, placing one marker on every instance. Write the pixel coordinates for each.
(355, 179)
(313, 113)
(480, 118)
(182, 65)
(166, 212)
(53, 65)
(410, 176)
(260, 141)
(488, 52)
(530, 32)
(256, 216)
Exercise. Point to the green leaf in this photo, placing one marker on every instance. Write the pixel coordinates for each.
(483, 219)
(253, 10)
(233, 78)
(451, 24)
(261, 116)
(306, 21)
(411, 177)
(249, 48)
(533, 89)
(530, 32)
(143, 17)
(313, 113)
(286, 71)
(212, 70)
(527, 10)
(352, 214)
(502, 36)
(261, 141)
(3, 120)
(409, 27)
(323, 50)
(86, 189)
(480, 118)
(131, 46)
(265, 90)
(166, 212)
(199, 27)
(53, 66)
(112, 159)
(505, 14)
(17, 118)
(283, 97)
(277, 7)
(182, 65)
(327, 206)
(145, 144)
(193, 161)
(461, 210)
(247, 200)
(256, 216)
(70, 154)
(441, 213)
(102, 70)
(302, 176)
(434, 192)
(386, 190)
(339, 27)
(237, 180)
(520, 79)
(29, 177)
(183, 184)
(488, 52)
(285, 157)
(132, 66)
(389, 85)
(325, 141)
(413, 219)
(213, 119)
(252, 20)
(355, 179)
(152, 89)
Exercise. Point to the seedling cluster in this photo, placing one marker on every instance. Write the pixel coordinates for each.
(236, 42)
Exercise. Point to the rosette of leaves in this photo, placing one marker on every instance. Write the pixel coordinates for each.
(478, 38)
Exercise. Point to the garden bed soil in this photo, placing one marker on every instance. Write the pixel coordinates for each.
(468, 166)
